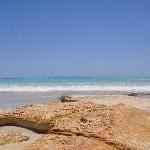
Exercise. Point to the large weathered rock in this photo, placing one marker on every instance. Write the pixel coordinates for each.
(62, 142)
(118, 126)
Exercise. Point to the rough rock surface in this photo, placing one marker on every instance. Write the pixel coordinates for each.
(83, 123)
(59, 142)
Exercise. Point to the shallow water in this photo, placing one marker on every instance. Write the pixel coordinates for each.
(19, 91)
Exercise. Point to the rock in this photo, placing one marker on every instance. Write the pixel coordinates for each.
(62, 142)
(67, 98)
(84, 120)
(24, 138)
(133, 94)
(71, 125)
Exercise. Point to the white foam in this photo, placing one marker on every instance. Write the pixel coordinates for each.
(100, 88)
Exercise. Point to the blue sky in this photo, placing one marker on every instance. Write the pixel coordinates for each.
(74, 37)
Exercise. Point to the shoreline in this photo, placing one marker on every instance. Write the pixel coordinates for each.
(10, 100)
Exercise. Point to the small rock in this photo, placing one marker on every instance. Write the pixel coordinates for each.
(24, 138)
(133, 94)
(84, 120)
(67, 98)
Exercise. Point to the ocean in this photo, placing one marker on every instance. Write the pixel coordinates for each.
(19, 91)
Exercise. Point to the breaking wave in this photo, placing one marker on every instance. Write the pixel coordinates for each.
(98, 88)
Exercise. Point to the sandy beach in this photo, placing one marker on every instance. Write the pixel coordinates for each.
(83, 122)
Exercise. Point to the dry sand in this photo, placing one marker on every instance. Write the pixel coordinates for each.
(18, 145)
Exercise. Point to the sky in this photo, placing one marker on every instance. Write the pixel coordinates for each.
(74, 38)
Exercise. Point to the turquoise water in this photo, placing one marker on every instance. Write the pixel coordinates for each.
(20, 91)
(66, 80)
(48, 84)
